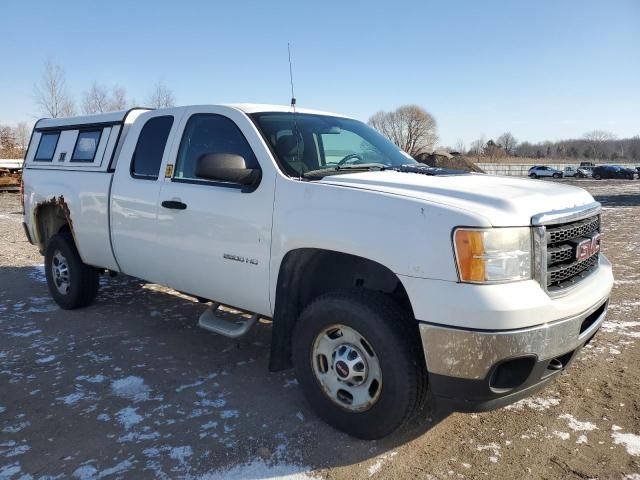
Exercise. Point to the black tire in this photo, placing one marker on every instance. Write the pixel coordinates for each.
(394, 338)
(83, 279)
(533, 175)
(556, 175)
(597, 176)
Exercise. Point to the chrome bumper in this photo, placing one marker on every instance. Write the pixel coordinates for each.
(471, 354)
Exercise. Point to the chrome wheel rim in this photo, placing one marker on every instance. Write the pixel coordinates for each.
(60, 272)
(347, 368)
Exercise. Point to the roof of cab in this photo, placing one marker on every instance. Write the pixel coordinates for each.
(119, 116)
(265, 107)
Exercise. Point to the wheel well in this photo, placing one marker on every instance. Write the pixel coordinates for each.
(305, 274)
(51, 217)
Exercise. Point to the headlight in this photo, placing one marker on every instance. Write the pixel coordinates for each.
(493, 255)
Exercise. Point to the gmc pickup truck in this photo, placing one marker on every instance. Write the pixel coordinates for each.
(383, 278)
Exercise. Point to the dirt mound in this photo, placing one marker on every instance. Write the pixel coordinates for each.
(448, 161)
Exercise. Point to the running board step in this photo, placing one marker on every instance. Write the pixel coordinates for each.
(210, 320)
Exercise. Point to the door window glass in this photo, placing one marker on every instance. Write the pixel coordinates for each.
(209, 133)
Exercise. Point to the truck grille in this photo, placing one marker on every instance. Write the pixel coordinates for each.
(563, 270)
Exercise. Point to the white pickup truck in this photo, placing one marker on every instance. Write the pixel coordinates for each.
(383, 277)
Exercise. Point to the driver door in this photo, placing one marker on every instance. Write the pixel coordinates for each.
(217, 235)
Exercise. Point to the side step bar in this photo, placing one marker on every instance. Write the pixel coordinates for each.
(211, 321)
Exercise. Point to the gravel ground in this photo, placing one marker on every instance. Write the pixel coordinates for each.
(131, 388)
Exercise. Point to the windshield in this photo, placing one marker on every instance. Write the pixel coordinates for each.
(305, 143)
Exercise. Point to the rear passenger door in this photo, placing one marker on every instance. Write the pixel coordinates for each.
(134, 194)
(217, 242)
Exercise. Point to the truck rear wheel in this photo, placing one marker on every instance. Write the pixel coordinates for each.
(359, 362)
(71, 282)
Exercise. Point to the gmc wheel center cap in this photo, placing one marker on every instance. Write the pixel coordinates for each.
(342, 369)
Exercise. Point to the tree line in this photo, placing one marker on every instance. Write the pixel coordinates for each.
(595, 145)
(53, 99)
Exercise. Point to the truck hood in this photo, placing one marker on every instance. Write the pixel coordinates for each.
(502, 201)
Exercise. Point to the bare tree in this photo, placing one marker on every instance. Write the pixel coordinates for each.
(95, 100)
(597, 140)
(477, 146)
(410, 127)
(118, 98)
(460, 146)
(7, 138)
(50, 93)
(22, 134)
(162, 97)
(508, 142)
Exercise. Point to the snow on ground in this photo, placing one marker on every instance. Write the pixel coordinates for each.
(259, 469)
(576, 425)
(630, 441)
(536, 403)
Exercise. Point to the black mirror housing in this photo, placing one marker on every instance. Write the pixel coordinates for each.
(226, 167)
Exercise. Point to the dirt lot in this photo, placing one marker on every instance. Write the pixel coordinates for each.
(131, 388)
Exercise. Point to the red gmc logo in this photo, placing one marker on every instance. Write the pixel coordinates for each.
(588, 247)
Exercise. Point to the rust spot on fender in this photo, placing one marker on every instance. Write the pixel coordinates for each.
(59, 204)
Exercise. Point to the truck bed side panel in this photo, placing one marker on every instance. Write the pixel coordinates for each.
(86, 196)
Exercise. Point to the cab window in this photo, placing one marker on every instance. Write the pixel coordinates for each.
(207, 133)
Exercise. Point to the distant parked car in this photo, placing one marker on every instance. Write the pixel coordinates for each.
(638, 169)
(584, 172)
(544, 171)
(613, 171)
(587, 164)
(569, 172)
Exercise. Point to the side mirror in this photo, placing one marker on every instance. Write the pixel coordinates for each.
(226, 167)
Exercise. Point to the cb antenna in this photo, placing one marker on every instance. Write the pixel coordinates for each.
(293, 97)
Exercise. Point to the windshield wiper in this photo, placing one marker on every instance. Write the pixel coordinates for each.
(321, 172)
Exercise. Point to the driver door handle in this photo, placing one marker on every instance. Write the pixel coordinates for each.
(174, 204)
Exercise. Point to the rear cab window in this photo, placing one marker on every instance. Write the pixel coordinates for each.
(147, 157)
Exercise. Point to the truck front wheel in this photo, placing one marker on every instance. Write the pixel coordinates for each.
(71, 282)
(359, 362)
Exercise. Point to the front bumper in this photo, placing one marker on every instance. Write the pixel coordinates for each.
(476, 370)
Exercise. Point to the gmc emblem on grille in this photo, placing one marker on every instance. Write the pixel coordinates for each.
(588, 247)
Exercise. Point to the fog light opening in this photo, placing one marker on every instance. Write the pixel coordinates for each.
(511, 374)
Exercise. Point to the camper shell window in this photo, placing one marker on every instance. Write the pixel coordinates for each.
(47, 146)
(86, 145)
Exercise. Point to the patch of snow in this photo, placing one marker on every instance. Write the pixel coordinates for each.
(196, 383)
(630, 441)
(16, 428)
(38, 274)
(47, 359)
(622, 328)
(91, 379)
(495, 450)
(616, 428)
(128, 417)
(9, 471)
(103, 417)
(20, 450)
(377, 466)
(561, 435)
(576, 425)
(259, 469)
(217, 403)
(131, 388)
(72, 398)
(180, 453)
(538, 404)
(24, 334)
(226, 414)
(581, 439)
